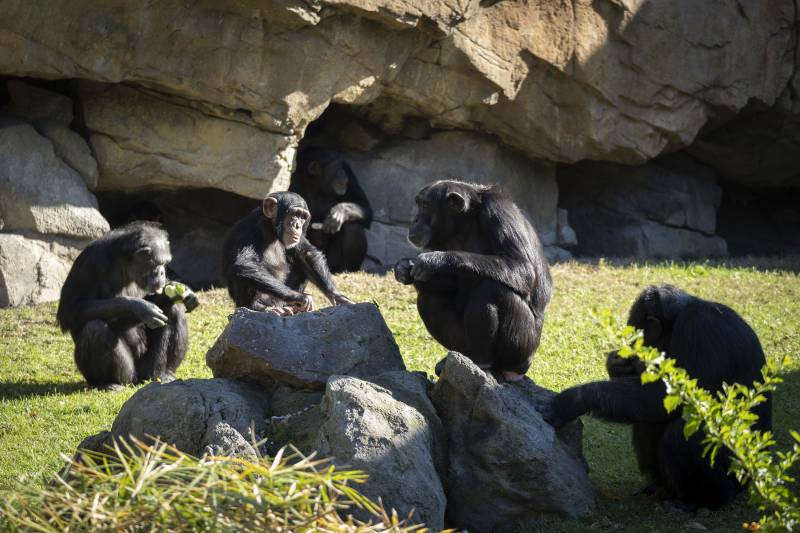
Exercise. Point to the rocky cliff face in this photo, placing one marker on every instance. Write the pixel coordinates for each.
(219, 94)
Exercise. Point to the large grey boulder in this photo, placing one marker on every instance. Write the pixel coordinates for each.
(665, 208)
(143, 141)
(33, 267)
(197, 416)
(506, 464)
(391, 434)
(71, 148)
(306, 349)
(41, 193)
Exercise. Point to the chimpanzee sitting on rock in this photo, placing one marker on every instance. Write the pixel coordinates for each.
(340, 211)
(715, 346)
(483, 282)
(267, 260)
(124, 328)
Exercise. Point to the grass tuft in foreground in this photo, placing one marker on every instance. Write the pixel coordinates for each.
(137, 487)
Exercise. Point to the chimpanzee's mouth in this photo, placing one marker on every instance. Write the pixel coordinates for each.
(294, 238)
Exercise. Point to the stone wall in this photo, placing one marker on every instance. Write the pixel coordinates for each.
(218, 95)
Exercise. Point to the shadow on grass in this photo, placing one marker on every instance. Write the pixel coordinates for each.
(10, 390)
(787, 263)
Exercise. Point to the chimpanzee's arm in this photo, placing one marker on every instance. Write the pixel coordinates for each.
(248, 269)
(623, 400)
(315, 267)
(502, 269)
(110, 309)
(357, 198)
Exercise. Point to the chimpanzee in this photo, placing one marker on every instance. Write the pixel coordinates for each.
(484, 284)
(124, 328)
(715, 346)
(267, 260)
(340, 211)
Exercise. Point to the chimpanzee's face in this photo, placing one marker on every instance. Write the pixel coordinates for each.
(294, 225)
(439, 211)
(289, 215)
(148, 267)
(332, 174)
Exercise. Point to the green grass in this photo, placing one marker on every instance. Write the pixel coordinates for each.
(45, 409)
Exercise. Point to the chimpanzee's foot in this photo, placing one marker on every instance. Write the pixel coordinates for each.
(110, 387)
(512, 376)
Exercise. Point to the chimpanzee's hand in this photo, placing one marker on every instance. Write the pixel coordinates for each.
(338, 299)
(402, 271)
(302, 304)
(150, 314)
(566, 407)
(619, 367)
(335, 219)
(426, 265)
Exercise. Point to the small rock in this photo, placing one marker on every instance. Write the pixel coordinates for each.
(379, 431)
(507, 466)
(306, 349)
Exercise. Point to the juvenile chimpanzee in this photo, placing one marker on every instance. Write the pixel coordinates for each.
(125, 330)
(483, 287)
(267, 260)
(340, 211)
(715, 346)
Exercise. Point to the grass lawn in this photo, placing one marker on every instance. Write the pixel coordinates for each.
(45, 408)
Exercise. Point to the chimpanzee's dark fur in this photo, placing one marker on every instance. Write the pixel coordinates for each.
(483, 287)
(715, 346)
(261, 272)
(123, 332)
(319, 170)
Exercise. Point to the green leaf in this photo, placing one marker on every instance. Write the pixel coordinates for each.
(649, 377)
(672, 402)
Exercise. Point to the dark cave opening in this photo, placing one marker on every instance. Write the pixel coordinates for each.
(759, 221)
(197, 221)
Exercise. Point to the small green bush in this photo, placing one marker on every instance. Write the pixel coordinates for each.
(726, 420)
(137, 487)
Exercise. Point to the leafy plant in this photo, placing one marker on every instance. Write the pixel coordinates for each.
(138, 487)
(726, 419)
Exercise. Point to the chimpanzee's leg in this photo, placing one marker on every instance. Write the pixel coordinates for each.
(347, 248)
(167, 346)
(688, 475)
(103, 357)
(501, 329)
(438, 309)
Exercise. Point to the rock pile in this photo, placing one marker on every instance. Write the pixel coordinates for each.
(468, 452)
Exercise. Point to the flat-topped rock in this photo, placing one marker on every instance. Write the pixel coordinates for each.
(306, 349)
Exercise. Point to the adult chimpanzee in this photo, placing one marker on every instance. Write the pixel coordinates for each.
(125, 330)
(267, 260)
(340, 211)
(484, 284)
(715, 346)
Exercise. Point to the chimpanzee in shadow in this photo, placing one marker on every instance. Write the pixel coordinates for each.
(267, 260)
(483, 282)
(124, 328)
(715, 346)
(340, 211)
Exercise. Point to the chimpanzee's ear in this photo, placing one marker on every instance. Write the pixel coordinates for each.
(315, 168)
(270, 207)
(652, 329)
(457, 202)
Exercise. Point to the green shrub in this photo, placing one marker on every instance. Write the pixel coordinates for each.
(138, 487)
(726, 419)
